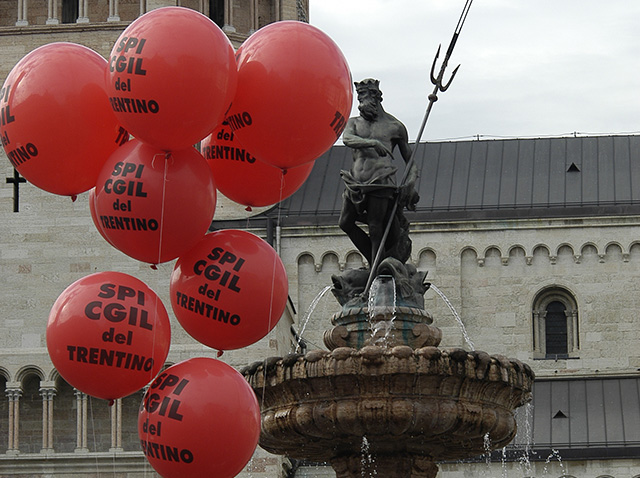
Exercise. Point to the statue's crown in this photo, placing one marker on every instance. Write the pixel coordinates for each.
(368, 83)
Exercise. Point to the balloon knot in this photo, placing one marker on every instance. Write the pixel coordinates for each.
(154, 266)
(220, 352)
(74, 197)
(111, 402)
(284, 172)
(248, 209)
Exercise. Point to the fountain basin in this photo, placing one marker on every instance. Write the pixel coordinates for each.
(414, 407)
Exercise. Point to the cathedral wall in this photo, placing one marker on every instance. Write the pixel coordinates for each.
(493, 272)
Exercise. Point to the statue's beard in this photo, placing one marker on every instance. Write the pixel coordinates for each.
(368, 109)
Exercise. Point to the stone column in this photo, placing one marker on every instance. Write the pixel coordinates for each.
(116, 426)
(573, 336)
(83, 11)
(52, 12)
(22, 13)
(542, 331)
(253, 11)
(228, 16)
(536, 331)
(81, 422)
(13, 394)
(47, 392)
(114, 16)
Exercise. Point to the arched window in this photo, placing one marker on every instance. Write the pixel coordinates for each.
(216, 12)
(70, 11)
(555, 329)
(555, 324)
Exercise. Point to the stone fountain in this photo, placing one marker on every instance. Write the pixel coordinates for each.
(384, 399)
(400, 398)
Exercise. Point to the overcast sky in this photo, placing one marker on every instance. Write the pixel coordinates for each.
(530, 68)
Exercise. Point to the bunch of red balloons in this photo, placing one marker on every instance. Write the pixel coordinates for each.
(124, 129)
(263, 114)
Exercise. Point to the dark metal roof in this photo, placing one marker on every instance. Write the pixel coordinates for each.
(512, 178)
(583, 418)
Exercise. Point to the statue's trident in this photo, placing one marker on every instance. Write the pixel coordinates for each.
(433, 97)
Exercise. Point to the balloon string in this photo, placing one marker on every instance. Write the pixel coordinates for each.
(273, 278)
(157, 300)
(167, 155)
(93, 431)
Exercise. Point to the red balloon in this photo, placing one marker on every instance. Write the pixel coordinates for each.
(108, 334)
(172, 76)
(57, 126)
(294, 94)
(245, 179)
(230, 290)
(199, 418)
(152, 205)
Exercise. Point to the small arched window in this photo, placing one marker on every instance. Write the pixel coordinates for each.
(70, 11)
(555, 328)
(216, 12)
(555, 324)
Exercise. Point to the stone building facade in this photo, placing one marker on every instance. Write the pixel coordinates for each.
(534, 243)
